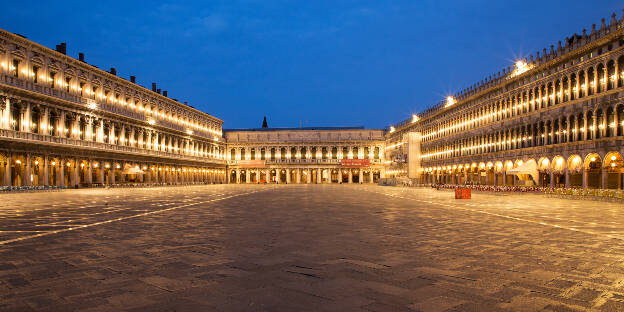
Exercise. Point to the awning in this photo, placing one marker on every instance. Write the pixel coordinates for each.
(132, 170)
(526, 171)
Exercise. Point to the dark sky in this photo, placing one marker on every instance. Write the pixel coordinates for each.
(321, 63)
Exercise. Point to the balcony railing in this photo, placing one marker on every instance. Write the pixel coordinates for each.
(69, 142)
(302, 162)
(59, 93)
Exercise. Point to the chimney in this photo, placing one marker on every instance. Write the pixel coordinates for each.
(113, 71)
(133, 79)
(158, 91)
(185, 103)
(62, 48)
(154, 86)
(165, 92)
(81, 57)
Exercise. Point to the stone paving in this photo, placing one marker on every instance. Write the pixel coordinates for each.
(307, 248)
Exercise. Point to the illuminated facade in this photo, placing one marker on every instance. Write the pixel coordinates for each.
(64, 122)
(553, 120)
(305, 155)
(556, 119)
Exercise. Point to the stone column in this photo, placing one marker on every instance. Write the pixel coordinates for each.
(298, 172)
(237, 176)
(248, 176)
(584, 172)
(309, 176)
(27, 170)
(7, 170)
(61, 172)
(112, 171)
(318, 175)
(567, 178)
(89, 173)
(268, 175)
(361, 177)
(46, 178)
(603, 177)
(287, 176)
(148, 175)
(552, 179)
(350, 175)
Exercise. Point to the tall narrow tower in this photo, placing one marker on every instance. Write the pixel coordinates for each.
(264, 123)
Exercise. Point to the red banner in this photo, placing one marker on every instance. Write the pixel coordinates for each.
(251, 163)
(354, 163)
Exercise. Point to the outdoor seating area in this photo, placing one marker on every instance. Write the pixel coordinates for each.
(579, 193)
(491, 188)
(30, 188)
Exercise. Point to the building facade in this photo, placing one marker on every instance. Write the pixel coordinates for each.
(553, 120)
(64, 122)
(305, 155)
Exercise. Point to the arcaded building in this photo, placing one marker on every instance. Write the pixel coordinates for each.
(64, 122)
(312, 155)
(554, 119)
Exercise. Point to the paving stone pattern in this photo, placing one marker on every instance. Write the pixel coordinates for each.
(307, 248)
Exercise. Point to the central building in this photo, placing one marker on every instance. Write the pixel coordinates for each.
(310, 155)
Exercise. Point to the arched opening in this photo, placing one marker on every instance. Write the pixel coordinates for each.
(573, 89)
(575, 171)
(620, 75)
(591, 83)
(620, 114)
(543, 167)
(558, 171)
(600, 70)
(509, 177)
(590, 126)
(600, 126)
(611, 76)
(593, 170)
(611, 126)
(614, 165)
(582, 84)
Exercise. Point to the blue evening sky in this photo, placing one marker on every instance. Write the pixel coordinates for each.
(315, 62)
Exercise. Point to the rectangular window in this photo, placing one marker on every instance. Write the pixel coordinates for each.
(81, 88)
(67, 83)
(52, 79)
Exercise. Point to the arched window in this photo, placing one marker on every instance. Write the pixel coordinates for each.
(355, 152)
(293, 153)
(376, 152)
(334, 153)
(273, 153)
(283, 153)
(620, 75)
(243, 155)
(611, 126)
(590, 125)
(253, 154)
(611, 76)
(600, 70)
(262, 154)
(590, 80)
(582, 83)
(232, 154)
